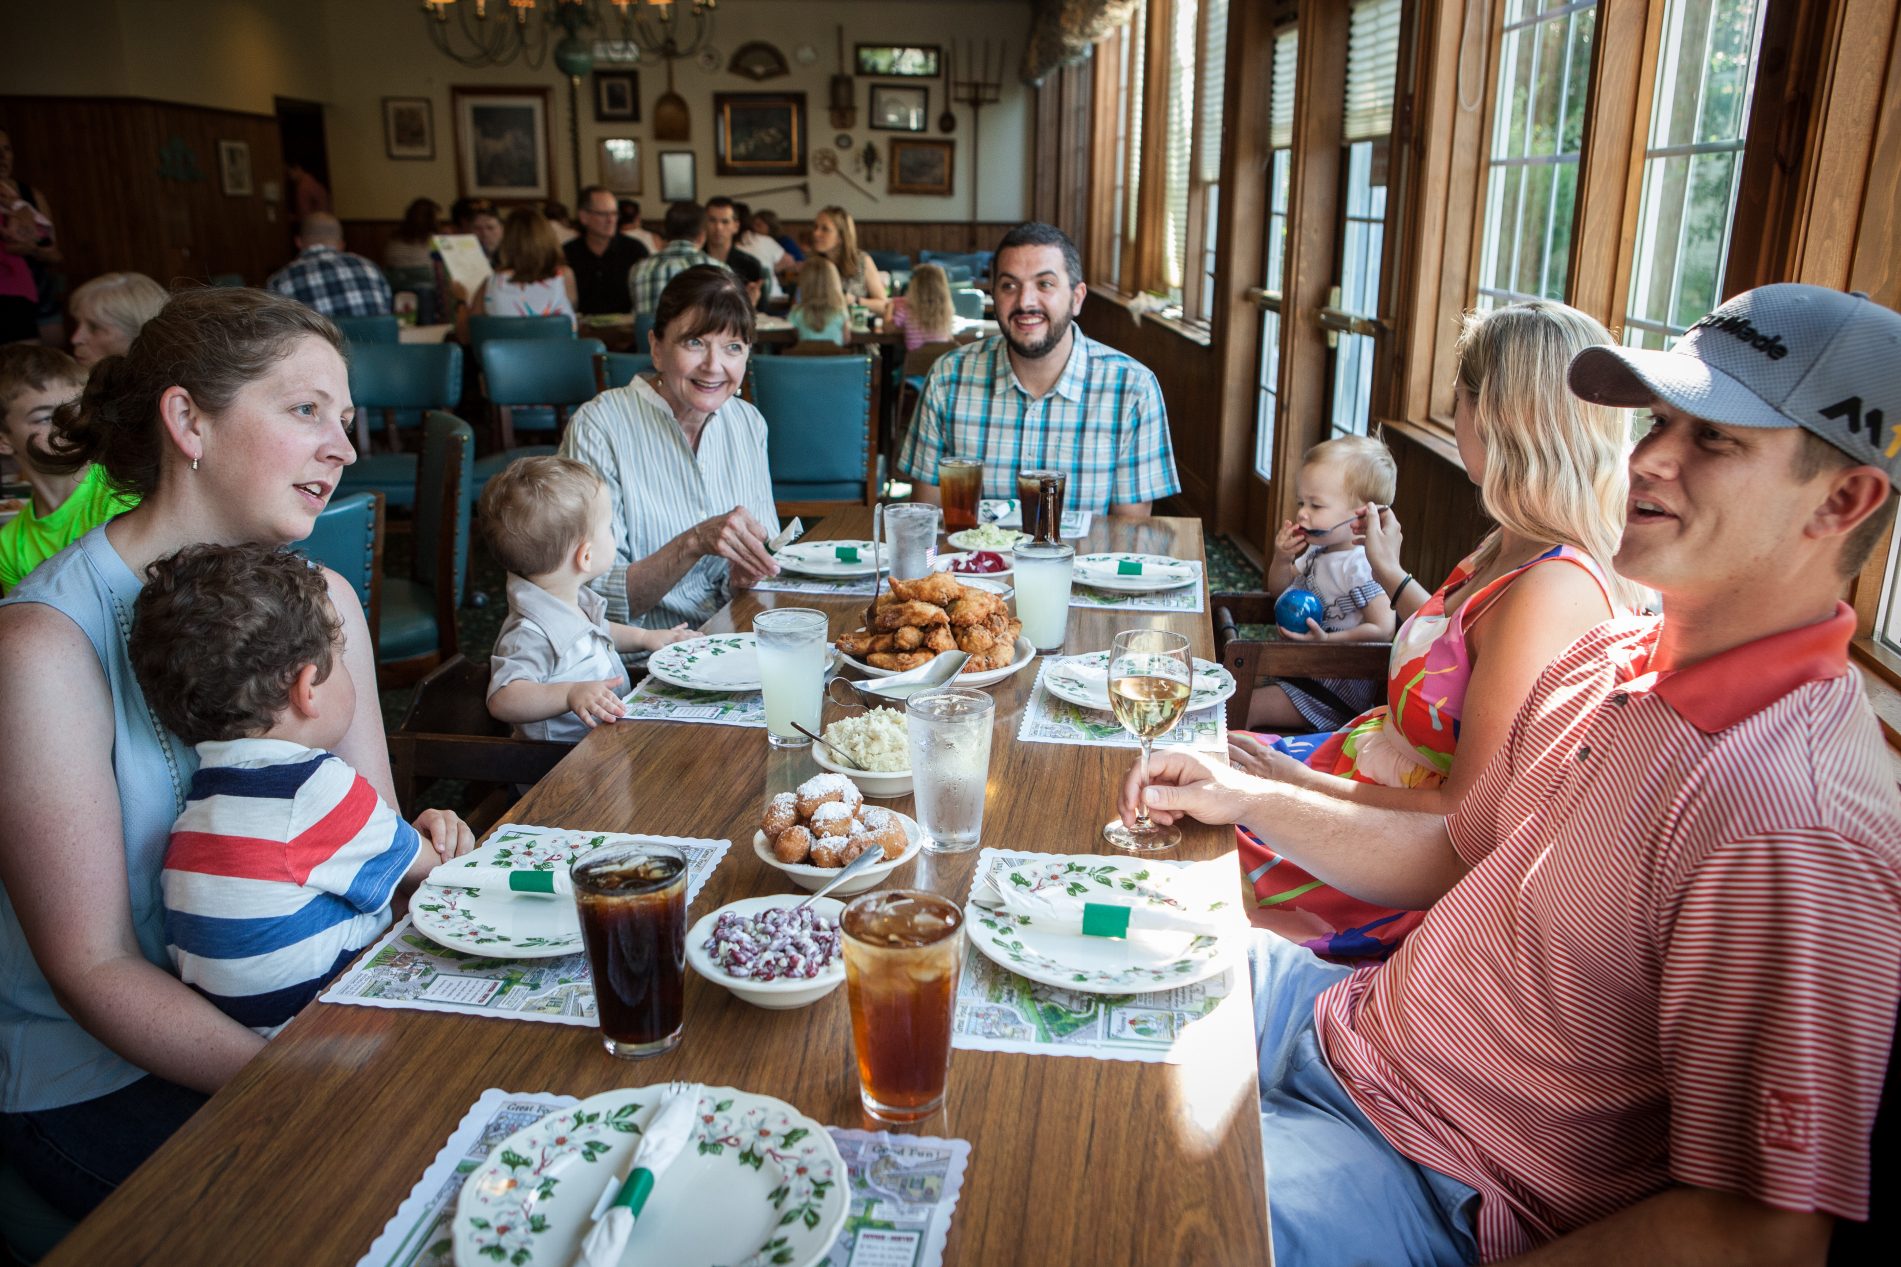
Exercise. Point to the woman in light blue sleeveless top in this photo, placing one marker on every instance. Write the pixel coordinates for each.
(229, 416)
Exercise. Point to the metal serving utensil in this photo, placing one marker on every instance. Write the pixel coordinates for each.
(899, 687)
(863, 862)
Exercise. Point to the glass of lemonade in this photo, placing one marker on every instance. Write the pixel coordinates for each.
(949, 735)
(792, 660)
(1150, 679)
(631, 898)
(903, 952)
(1043, 574)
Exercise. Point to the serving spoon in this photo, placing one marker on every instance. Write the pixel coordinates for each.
(899, 687)
(863, 862)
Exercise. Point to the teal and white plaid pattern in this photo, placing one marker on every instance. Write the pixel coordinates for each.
(651, 275)
(335, 283)
(1104, 423)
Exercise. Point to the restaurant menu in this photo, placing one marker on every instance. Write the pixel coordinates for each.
(904, 1189)
(1047, 719)
(997, 1010)
(462, 258)
(407, 970)
(654, 700)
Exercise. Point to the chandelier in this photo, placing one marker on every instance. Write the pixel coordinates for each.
(497, 32)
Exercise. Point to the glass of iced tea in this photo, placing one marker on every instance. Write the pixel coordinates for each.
(904, 950)
(1030, 498)
(632, 901)
(960, 483)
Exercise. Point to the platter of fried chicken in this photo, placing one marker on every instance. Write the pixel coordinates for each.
(915, 621)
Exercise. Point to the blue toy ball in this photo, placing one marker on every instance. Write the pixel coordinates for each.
(1294, 608)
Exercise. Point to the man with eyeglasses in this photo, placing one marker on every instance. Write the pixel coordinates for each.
(600, 255)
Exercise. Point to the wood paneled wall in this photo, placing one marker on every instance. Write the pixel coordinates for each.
(1191, 388)
(368, 237)
(99, 160)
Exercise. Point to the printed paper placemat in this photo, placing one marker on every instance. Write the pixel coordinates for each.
(405, 969)
(997, 1010)
(1183, 598)
(904, 1190)
(788, 583)
(654, 700)
(1047, 719)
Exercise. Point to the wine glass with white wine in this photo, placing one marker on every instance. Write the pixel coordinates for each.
(1150, 677)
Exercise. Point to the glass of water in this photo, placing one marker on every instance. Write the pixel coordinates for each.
(910, 529)
(792, 662)
(950, 764)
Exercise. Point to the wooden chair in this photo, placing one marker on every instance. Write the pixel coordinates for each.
(1258, 662)
(448, 734)
(418, 611)
(821, 430)
(556, 373)
(348, 539)
(410, 378)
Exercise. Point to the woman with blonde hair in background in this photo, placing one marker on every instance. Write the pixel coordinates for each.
(822, 314)
(925, 312)
(835, 236)
(1551, 471)
(108, 313)
(532, 278)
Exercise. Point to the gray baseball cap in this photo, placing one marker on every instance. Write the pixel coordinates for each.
(1786, 355)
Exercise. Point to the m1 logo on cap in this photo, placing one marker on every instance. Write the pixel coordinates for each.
(1770, 345)
(1872, 420)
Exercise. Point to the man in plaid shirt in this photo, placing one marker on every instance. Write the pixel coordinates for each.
(686, 234)
(1045, 395)
(327, 277)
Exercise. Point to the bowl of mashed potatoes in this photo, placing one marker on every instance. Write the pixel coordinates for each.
(879, 747)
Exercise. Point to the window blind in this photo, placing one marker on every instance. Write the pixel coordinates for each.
(1372, 66)
(1280, 101)
(1178, 144)
(1214, 62)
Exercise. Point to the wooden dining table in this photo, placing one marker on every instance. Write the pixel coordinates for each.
(307, 1153)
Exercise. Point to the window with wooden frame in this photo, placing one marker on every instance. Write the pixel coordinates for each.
(1159, 117)
(1280, 139)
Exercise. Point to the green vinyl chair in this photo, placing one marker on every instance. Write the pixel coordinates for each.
(888, 260)
(360, 331)
(420, 282)
(617, 369)
(968, 304)
(558, 374)
(348, 539)
(821, 430)
(484, 328)
(417, 617)
(408, 377)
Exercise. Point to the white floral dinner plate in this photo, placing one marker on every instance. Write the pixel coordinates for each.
(717, 662)
(989, 677)
(1135, 964)
(834, 560)
(760, 1185)
(1134, 573)
(494, 924)
(1083, 680)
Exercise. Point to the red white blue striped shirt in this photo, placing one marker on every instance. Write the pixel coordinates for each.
(1673, 961)
(280, 869)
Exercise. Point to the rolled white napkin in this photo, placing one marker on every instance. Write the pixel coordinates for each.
(1165, 901)
(503, 881)
(625, 1196)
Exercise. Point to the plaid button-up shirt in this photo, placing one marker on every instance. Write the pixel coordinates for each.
(1104, 423)
(335, 283)
(651, 275)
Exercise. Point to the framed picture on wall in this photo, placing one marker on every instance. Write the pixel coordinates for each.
(759, 133)
(234, 167)
(501, 143)
(920, 167)
(677, 179)
(620, 164)
(899, 107)
(617, 96)
(409, 127)
(902, 61)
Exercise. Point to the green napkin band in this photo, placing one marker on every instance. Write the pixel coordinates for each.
(531, 881)
(1128, 567)
(846, 554)
(1101, 920)
(633, 1194)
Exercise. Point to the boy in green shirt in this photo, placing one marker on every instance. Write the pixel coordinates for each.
(34, 381)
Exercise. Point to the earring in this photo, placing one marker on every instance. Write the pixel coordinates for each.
(194, 464)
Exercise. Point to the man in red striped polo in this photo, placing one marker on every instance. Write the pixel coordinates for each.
(1649, 1014)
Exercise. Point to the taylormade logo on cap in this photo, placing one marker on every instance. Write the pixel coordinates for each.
(1787, 355)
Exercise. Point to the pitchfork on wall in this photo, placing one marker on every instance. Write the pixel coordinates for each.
(977, 93)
